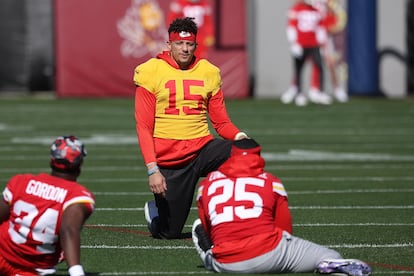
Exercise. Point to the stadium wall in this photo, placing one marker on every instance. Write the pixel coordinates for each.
(99, 45)
(392, 47)
(26, 50)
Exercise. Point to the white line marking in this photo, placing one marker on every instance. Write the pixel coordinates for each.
(293, 154)
(122, 193)
(350, 224)
(303, 167)
(341, 166)
(350, 207)
(307, 155)
(159, 273)
(295, 225)
(143, 247)
(169, 247)
(285, 179)
(353, 191)
(291, 207)
(208, 272)
(92, 140)
(290, 193)
(349, 179)
(393, 272)
(120, 209)
(394, 245)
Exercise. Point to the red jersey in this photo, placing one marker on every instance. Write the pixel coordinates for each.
(30, 238)
(306, 26)
(201, 11)
(243, 209)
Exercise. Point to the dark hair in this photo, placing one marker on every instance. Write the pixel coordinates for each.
(246, 143)
(186, 24)
(245, 146)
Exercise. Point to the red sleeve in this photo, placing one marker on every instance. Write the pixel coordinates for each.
(283, 218)
(219, 117)
(292, 20)
(144, 119)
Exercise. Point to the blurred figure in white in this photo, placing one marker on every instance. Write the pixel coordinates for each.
(306, 34)
(335, 18)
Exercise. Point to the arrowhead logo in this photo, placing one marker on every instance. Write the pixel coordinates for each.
(184, 34)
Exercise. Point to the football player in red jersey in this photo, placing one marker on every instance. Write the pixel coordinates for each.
(334, 19)
(176, 94)
(245, 225)
(201, 11)
(306, 34)
(42, 215)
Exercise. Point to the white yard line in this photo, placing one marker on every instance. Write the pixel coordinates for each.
(156, 273)
(351, 207)
(295, 225)
(353, 191)
(170, 247)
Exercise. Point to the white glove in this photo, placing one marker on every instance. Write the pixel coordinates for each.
(240, 135)
(296, 50)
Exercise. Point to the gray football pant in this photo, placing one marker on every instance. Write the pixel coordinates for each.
(292, 254)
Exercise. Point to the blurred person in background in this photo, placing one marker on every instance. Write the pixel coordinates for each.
(334, 18)
(202, 12)
(245, 225)
(306, 34)
(41, 216)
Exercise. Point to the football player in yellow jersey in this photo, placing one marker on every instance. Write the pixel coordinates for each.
(175, 93)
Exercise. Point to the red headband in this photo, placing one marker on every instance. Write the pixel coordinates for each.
(182, 36)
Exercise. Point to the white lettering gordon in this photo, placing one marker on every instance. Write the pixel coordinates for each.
(46, 191)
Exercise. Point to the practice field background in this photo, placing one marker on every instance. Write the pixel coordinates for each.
(348, 169)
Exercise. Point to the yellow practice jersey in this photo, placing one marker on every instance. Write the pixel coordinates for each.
(182, 96)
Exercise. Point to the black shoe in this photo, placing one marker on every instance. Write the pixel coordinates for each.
(201, 240)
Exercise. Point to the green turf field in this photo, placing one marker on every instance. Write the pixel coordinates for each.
(348, 169)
